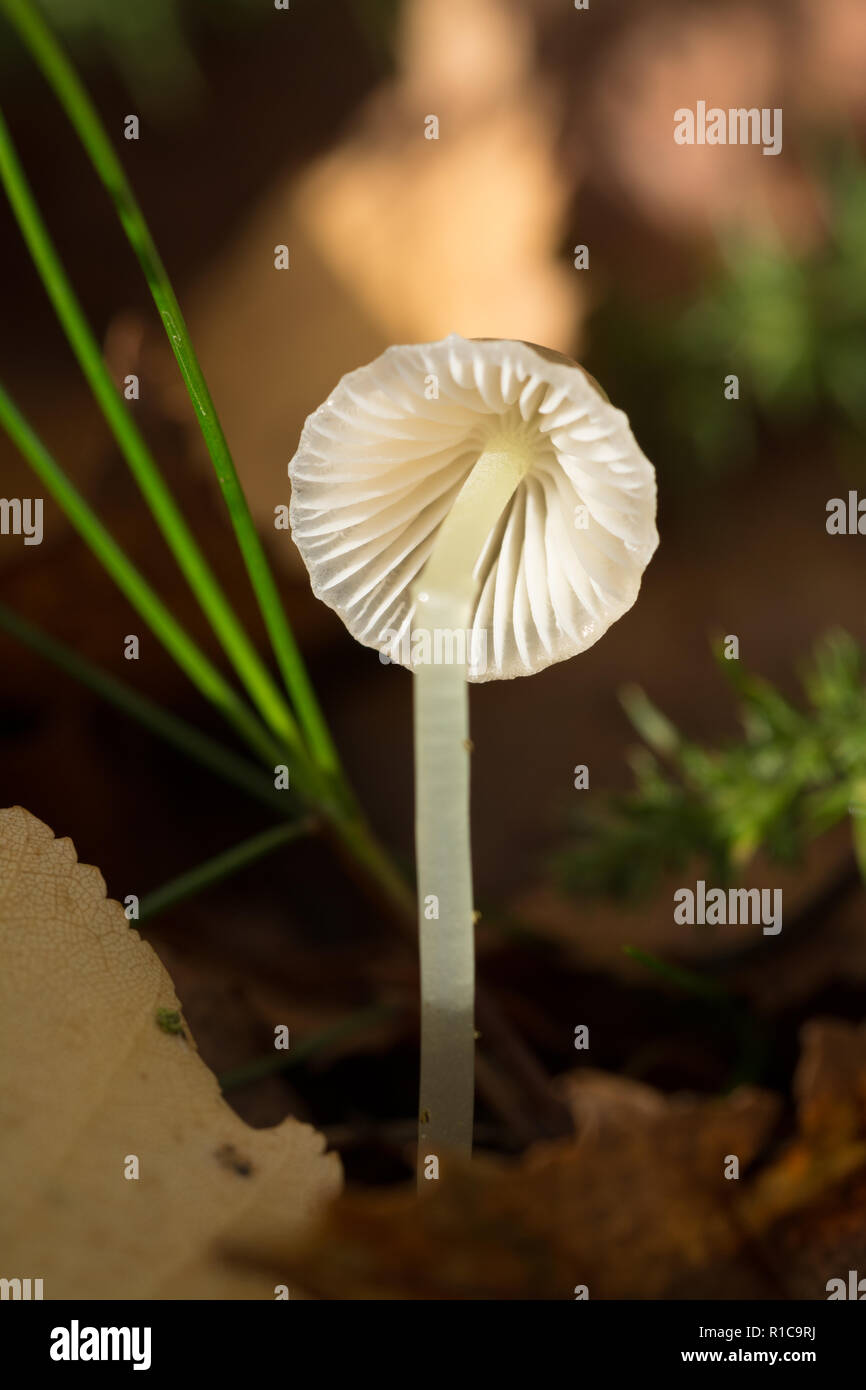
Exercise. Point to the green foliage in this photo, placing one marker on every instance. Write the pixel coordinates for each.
(301, 731)
(84, 117)
(793, 775)
(791, 330)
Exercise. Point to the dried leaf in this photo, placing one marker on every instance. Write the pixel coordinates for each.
(98, 1067)
(637, 1207)
(473, 224)
(830, 1086)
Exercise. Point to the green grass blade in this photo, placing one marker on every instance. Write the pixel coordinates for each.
(349, 825)
(857, 812)
(221, 866)
(275, 1062)
(134, 586)
(201, 579)
(689, 981)
(70, 92)
(167, 726)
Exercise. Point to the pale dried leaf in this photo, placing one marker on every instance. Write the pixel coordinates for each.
(88, 1076)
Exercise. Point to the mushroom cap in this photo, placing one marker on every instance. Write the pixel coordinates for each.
(380, 463)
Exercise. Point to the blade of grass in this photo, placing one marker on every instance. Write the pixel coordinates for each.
(751, 1042)
(73, 97)
(348, 825)
(857, 812)
(134, 586)
(175, 731)
(282, 1061)
(201, 579)
(689, 981)
(336, 799)
(222, 865)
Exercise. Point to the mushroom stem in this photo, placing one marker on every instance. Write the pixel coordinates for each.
(444, 594)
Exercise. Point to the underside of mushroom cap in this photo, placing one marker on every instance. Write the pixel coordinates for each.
(381, 462)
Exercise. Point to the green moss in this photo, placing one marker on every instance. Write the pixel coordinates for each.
(169, 1020)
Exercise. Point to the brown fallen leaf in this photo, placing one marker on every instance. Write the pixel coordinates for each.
(459, 233)
(830, 1084)
(809, 1206)
(98, 1068)
(637, 1207)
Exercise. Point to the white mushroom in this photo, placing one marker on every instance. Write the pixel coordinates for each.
(474, 510)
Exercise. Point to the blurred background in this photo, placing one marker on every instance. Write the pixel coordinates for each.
(306, 128)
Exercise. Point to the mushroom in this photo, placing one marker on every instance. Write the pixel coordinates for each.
(474, 510)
